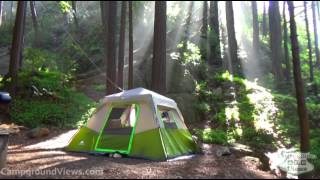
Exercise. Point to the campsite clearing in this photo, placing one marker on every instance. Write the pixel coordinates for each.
(35, 155)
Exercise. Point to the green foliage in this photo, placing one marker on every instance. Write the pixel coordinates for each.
(46, 98)
(212, 136)
(65, 6)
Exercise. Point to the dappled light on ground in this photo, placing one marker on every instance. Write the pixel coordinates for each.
(60, 141)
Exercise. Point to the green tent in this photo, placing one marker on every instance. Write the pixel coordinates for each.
(138, 123)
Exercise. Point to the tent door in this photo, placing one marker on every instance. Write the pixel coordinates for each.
(118, 131)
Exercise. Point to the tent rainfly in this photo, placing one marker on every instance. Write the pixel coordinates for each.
(138, 123)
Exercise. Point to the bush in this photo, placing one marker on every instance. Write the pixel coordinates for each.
(46, 98)
(212, 136)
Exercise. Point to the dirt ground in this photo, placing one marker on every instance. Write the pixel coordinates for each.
(45, 157)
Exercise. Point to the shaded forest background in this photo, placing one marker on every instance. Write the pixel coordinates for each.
(245, 72)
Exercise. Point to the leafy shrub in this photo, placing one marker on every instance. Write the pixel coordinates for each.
(46, 98)
(212, 136)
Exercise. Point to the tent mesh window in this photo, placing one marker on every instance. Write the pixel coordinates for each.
(169, 117)
(118, 129)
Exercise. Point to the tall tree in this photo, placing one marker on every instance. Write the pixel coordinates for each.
(17, 45)
(1, 9)
(159, 48)
(309, 41)
(264, 20)
(122, 43)
(214, 42)
(232, 41)
(111, 49)
(275, 40)
(130, 73)
(315, 30)
(10, 14)
(34, 21)
(74, 13)
(255, 25)
(287, 72)
(302, 109)
(204, 32)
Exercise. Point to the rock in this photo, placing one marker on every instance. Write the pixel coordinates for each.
(117, 156)
(38, 133)
(241, 148)
(223, 151)
(253, 160)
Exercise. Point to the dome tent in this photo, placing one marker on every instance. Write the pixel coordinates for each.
(138, 123)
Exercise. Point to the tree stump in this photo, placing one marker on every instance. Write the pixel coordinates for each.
(4, 138)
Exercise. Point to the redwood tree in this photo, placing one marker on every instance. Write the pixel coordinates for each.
(17, 45)
(302, 109)
(1, 9)
(315, 30)
(232, 41)
(130, 72)
(111, 49)
(34, 21)
(122, 43)
(275, 40)
(214, 42)
(287, 72)
(159, 48)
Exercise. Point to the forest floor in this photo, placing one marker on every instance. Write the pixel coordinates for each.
(40, 157)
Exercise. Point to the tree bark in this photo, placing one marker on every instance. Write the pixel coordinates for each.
(204, 33)
(17, 45)
(309, 42)
(214, 43)
(302, 109)
(232, 41)
(122, 43)
(1, 11)
(158, 83)
(255, 24)
(130, 73)
(111, 49)
(275, 40)
(34, 22)
(74, 13)
(264, 20)
(315, 30)
(287, 72)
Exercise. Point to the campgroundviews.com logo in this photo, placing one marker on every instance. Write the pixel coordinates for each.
(294, 162)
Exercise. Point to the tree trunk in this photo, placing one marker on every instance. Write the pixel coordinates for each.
(255, 24)
(17, 45)
(214, 43)
(264, 20)
(309, 42)
(204, 33)
(34, 22)
(275, 40)
(302, 109)
(159, 48)
(1, 9)
(315, 30)
(122, 43)
(74, 13)
(111, 49)
(232, 41)
(287, 72)
(11, 14)
(130, 73)
(187, 30)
